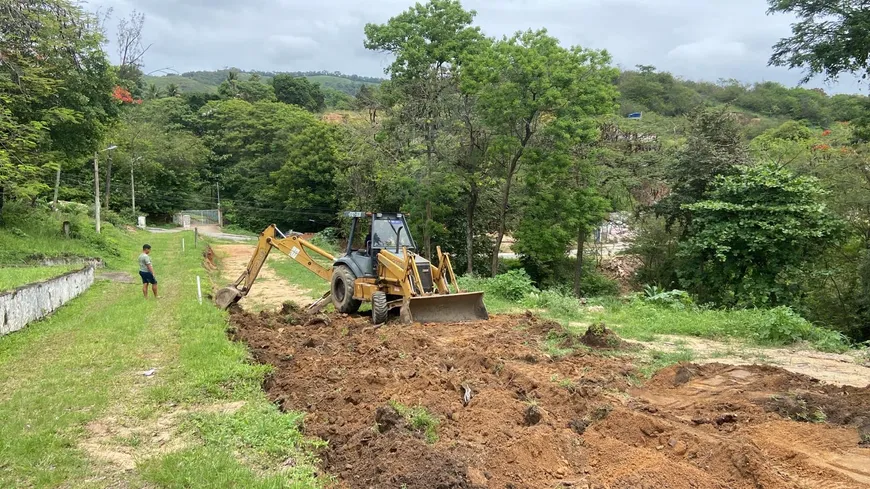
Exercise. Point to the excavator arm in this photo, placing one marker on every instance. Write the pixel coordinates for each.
(423, 294)
(293, 246)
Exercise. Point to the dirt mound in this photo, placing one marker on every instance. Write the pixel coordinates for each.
(598, 336)
(479, 405)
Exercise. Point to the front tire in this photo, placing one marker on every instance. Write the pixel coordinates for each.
(380, 311)
(342, 291)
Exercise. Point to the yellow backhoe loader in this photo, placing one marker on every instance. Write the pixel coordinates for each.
(385, 271)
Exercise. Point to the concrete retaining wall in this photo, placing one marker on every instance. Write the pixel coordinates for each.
(54, 262)
(37, 300)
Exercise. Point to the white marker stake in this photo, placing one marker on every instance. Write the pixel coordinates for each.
(182, 244)
(198, 290)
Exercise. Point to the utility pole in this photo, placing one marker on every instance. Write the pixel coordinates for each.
(220, 214)
(97, 191)
(133, 184)
(97, 186)
(56, 185)
(108, 181)
(133, 190)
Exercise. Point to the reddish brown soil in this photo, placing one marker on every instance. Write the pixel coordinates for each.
(535, 422)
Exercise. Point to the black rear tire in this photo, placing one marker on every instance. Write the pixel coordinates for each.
(342, 291)
(380, 311)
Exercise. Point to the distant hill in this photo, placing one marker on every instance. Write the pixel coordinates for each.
(208, 81)
(762, 105)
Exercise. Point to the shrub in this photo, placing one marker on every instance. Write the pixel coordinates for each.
(782, 326)
(513, 285)
(327, 239)
(596, 284)
(116, 219)
(32, 231)
(679, 299)
(82, 228)
(507, 264)
(330, 236)
(556, 302)
(73, 208)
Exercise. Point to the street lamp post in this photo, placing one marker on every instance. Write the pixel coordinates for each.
(97, 185)
(133, 185)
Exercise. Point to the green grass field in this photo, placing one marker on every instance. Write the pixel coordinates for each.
(764, 327)
(31, 233)
(13, 277)
(82, 367)
(637, 319)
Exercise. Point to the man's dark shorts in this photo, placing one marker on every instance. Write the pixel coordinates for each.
(148, 278)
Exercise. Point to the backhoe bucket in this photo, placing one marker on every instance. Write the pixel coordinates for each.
(448, 308)
(227, 296)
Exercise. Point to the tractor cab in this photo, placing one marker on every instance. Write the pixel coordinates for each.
(372, 232)
(390, 232)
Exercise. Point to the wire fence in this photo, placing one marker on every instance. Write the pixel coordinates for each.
(196, 216)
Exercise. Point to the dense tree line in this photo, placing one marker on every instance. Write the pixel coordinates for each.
(663, 93)
(217, 76)
(337, 83)
(744, 195)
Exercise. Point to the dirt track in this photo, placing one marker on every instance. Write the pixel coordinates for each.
(270, 289)
(535, 422)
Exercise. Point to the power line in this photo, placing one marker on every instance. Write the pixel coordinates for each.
(310, 213)
(235, 203)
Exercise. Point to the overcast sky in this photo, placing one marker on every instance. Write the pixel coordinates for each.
(695, 39)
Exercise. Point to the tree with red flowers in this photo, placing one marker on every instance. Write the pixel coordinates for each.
(123, 95)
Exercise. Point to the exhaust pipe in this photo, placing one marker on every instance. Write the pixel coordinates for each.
(447, 308)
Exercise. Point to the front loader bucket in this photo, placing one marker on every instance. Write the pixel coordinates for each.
(227, 296)
(448, 308)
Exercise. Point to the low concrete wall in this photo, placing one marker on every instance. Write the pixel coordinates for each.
(37, 300)
(54, 262)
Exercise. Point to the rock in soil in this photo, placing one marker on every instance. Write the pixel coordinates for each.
(532, 415)
(387, 418)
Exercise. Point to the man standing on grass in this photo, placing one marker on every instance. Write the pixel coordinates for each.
(146, 271)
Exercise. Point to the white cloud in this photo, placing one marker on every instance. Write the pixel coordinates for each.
(284, 48)
(697, 39)
(709, 51)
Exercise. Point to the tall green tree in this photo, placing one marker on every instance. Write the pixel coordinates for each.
(307, 180)
(830, 38)
(368, 98)
(660, 92)
(250, 90)
(248, 143)
(561, 206)
(55, 92)
(752, 233)
(297, 90)
(430, 43)
(714, 147)
(532, 91)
